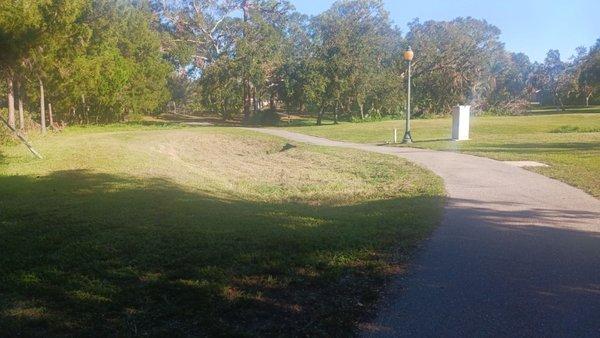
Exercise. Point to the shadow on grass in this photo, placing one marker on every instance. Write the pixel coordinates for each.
(285, 120)
(536, 147)
(448, 139)
(94, 254)
(553, 111)
(190, 120)
(198, 120)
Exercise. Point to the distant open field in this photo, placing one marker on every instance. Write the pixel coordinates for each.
(139, 230)
(568, 142)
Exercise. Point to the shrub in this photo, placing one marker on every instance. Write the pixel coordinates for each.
(374, 115)
(265, 118)
(134, 117)
(5, 136)
(513, 107)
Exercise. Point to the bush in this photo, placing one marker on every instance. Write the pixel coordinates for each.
(134, 117)
(265, 118)
(374, 115)
(5, 136)
(514, 107)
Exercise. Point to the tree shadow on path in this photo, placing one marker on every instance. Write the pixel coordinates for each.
(501, 268)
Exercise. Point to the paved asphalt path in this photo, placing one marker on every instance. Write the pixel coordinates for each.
(517, 254)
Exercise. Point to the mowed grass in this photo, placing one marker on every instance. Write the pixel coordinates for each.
(568, 142)
(201, 232)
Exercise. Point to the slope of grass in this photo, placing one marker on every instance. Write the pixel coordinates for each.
(201, 232)
(569, 143)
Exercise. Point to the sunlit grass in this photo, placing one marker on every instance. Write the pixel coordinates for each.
(573, 156)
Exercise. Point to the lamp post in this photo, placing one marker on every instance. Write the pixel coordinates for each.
(408, 56)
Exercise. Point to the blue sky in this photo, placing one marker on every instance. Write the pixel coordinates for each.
(529, 26)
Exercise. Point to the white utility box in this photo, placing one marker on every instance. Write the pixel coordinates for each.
(461, 119)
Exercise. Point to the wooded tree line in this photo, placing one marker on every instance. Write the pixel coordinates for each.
(81, 61)
(93, 61)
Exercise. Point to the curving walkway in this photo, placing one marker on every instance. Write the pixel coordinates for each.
(517, 254)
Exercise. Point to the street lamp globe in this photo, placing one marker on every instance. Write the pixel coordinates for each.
(408, 55)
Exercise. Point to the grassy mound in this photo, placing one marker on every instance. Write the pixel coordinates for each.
(201, 232)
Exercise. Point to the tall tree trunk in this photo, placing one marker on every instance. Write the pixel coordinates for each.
(20, 100)
(362, 110)
(272, 101)
(556, 102)
(335, 113)
(246, 10)
(11, 101)
(254, 102)
(320, 116)
(349, 106)
(50, 115)
(562, 106)
(246, 80)
(86, 110)
(42, 107)
(246, 102)
(587, 100)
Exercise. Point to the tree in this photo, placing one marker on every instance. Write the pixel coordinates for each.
(19, 31)
(220, 88)
(453, 62)
(214, 31)
(508, 83)
(117, 68)
(553, 72)
(588, 73)
(97, 61)
(355, 43)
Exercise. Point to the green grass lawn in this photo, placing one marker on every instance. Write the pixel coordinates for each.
(568, 142)
(149, 230)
